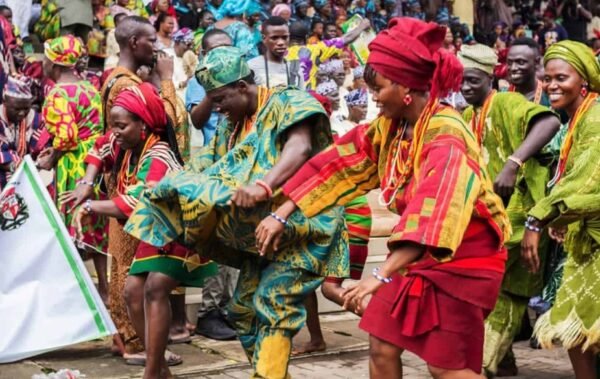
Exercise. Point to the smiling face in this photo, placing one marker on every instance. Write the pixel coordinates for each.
(231, 101)
(339, 76)
(208, 19)
(334, 97)
(126, 127)
(276, 39)
(521, 62)
(563, 85)
(167, 26)
(476, 85)
(388, 96)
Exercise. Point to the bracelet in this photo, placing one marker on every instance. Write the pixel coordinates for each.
(532, 227)
(280, 219)
(265, 186)
(516, 160)
(82, 181)
(87, 206)
(379, 277)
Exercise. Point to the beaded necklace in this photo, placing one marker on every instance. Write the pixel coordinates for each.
(567, 144)
(19, 136)
(263, 96)
(127, 176)
(398, 169)
(478, 122)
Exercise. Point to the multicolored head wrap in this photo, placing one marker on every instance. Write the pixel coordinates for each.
(253, 8)
(409, 53)
(18, 87)
(144, 101)
(183, 35)
(478, 56)
(222, 66)
(232, 8)
(358, 72)
(327, 88)
(64, 51)
(581, 57)
(357, 97)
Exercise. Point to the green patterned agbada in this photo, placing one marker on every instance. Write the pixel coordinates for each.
(192, 205)
(505, 127)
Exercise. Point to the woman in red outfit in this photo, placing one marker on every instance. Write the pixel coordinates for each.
(446, 260)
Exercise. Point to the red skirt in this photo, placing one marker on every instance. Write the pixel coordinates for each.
(437, 310)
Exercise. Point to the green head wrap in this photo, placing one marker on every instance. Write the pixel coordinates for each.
(222, 66)
(581, 57)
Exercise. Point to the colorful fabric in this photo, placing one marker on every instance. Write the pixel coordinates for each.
(312, 55)
(478, 56)
(48, 26)
(501, 327)
(327, 88)
(427, 308)
(145, 102)
(72, 113)
(409, 53)
(267, 310)
(192, 206)
(18, 87)
(574, 318)
(183, 35)
(64, 51)
(16, 141)
(222, 66)
(232, 8)
(242, 38)
(581, 57)
(357, 97)
(504, 126)
(358, 220)
(360, 161)
(358, 72)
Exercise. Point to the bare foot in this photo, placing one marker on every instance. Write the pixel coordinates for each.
(310, 347)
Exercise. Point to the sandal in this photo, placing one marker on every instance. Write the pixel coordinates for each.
(140, 359)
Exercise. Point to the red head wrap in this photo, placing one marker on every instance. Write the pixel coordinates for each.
(143, 100)
(409, 53)
(325, 102)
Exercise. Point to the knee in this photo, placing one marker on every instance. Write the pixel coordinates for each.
(380, 351)
(154, 290)
(133, 292)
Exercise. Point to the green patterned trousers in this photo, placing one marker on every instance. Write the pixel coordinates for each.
(501, 327)
(267, 310)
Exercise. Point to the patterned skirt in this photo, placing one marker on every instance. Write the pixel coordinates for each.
(175, 261)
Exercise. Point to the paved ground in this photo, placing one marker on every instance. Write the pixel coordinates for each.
(346, 357)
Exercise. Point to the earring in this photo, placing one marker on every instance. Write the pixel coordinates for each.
(407, 100)
(143, 134)
(584, 90)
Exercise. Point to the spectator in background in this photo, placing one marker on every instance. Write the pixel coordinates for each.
(324, 11)
(272, 69)
(21, 10)
(593, 28)
(163, 6)
(316, 30)
(232, 12)
(164, 25)
(207, 19)
(120, 6)
(283, 11)
(112, 47)
(330, 31)
(300, 15)
(575, 17)
(551, 32)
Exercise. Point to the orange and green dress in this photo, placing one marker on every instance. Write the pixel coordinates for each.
(439, 185)
(72, 113)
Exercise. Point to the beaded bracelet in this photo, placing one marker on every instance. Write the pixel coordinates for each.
(532, 227)
(266, 187)
(87, 206)
(379, 277)
(280, 219)
(516, 161)
(91, 184)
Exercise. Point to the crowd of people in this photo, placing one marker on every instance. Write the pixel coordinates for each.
(230, 145)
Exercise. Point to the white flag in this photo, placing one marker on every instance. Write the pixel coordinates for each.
(47, 298)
